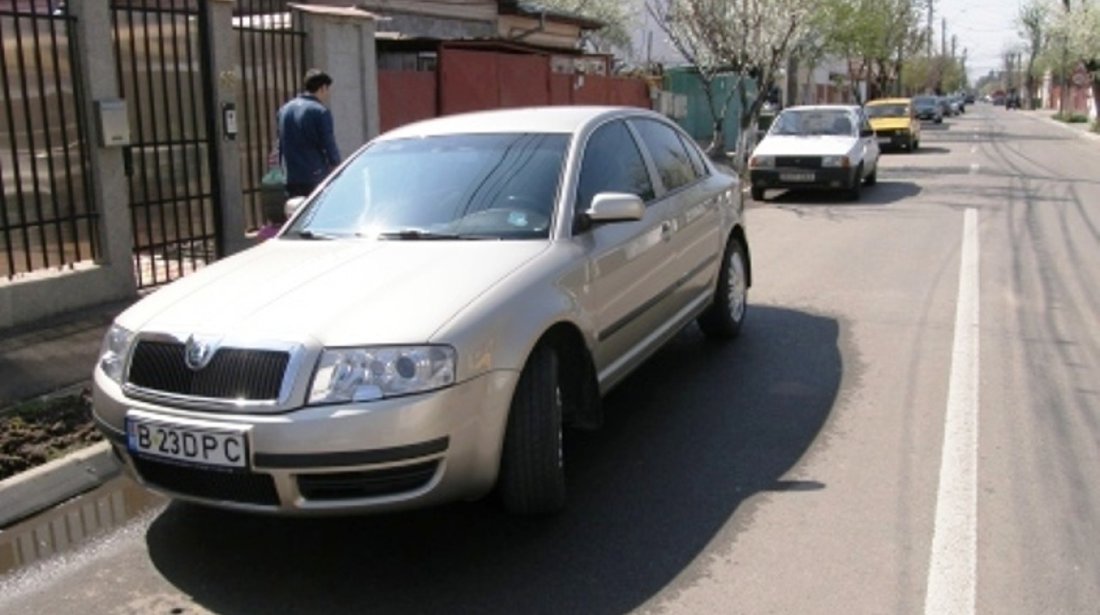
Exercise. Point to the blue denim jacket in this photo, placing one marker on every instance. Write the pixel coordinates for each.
(307, 145)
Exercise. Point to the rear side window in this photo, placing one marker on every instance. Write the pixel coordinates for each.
(672, 160)
(696, 157)
(612, 163)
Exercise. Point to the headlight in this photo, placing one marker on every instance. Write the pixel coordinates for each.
(835, 161)
(114, 350)
(762, 162)
(375, 372)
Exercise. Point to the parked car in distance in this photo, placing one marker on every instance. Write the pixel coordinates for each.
(946, 107)
(927, 107)
(431, 318)
(895, 123)
(816, 146)
(1012, 101)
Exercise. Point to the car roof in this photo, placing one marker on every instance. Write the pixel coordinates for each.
(557, 119)
(852, 108)
(887, 101)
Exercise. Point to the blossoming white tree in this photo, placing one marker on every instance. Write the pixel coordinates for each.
(749, 39)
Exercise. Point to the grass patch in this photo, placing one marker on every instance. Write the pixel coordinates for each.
(42, 430)
(1071, 118)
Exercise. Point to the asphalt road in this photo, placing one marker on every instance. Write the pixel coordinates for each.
(909, 424)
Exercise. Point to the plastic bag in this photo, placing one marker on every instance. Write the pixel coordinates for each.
(274, 177)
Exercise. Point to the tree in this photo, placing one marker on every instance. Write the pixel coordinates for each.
(748, 39)
(1032, 21)
(874, 36)
(1078, 27)
(620, 23)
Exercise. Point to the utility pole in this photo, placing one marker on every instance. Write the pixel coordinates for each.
(943, 37)
(931, 13)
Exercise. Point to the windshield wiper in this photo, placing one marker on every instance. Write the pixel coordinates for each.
(415, 233)
(308, 234)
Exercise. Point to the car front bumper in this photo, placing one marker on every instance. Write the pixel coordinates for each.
(894, 139)
(840, 178)
(391, 454)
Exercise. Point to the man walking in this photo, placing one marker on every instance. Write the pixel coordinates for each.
(307, 144)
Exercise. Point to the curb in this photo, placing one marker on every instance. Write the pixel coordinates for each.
(47, 485)
(1084, 132)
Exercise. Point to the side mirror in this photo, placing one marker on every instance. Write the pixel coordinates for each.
(867, 133)
(292, 205)
(616, 207)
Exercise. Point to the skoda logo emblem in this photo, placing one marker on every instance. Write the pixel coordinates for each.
(197, 353)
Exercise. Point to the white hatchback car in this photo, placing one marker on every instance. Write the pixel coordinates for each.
(430, 318)
(816, 146)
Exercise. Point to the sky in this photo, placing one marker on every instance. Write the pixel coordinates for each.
(985, 28)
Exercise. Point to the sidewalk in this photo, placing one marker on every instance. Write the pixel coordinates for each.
(1082, 129)
(53, 356)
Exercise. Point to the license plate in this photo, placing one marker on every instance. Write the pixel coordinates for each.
(796, 177)
(884, 140)
(187, 443)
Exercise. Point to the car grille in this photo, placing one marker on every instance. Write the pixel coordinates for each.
(366, 484)
(888, 132)
(232, 373)
(243, 487)
(798, 162)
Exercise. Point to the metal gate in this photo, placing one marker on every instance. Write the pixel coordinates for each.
(48, 217)
(272, 48)
(164, 74)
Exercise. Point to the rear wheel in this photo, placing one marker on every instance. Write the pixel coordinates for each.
(532, 476)
(726, 313)
(872, 179)
(757, 193)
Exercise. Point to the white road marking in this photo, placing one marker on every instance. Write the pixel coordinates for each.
(973, 149)
(952, 571)
(974, 168)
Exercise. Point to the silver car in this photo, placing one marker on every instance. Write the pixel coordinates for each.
(429, 320)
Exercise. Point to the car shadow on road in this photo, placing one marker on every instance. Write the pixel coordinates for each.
(884, 192)
(698, 430)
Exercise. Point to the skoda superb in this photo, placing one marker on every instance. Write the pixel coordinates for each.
(430, 319)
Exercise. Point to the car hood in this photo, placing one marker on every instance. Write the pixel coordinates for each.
(890, 123)
(332, 292)
(785, 145)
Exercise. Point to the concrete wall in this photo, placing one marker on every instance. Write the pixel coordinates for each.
(341, 43)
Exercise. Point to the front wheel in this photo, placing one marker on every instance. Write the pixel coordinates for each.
(532, 476)
(757, 194)
(726, 314)
(856, 187)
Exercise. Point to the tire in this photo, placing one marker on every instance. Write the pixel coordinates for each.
(872, 179)
(916, 145)
(939, 120)
(532, 477)
(855, 188)
(757, 194)
(726, 314)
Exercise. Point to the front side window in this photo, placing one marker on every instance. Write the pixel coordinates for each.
(612, 163)
(670, 156)
(475, 186)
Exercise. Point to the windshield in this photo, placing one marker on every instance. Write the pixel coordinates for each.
(810, 122)
(898, 110)
(924, 101)
(479, 186)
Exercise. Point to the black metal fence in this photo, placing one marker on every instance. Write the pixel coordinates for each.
(272, 51)
(163, 67)
(48, 218)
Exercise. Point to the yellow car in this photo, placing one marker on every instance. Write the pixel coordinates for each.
(895, 124)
